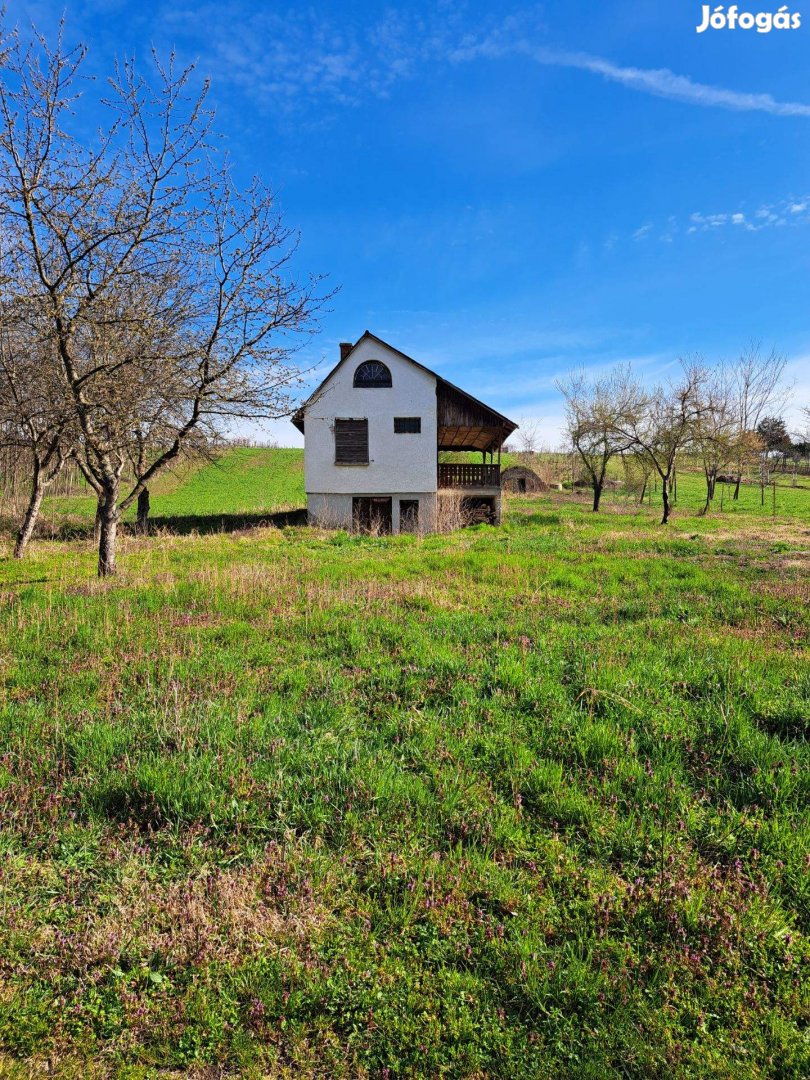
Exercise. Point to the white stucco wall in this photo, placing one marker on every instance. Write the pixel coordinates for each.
(397, 463)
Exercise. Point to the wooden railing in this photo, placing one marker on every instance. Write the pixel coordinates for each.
(469, 476)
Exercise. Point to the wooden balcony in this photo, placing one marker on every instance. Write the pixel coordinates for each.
(468, 475)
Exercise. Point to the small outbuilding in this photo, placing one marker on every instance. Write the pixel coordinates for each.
(522, 480)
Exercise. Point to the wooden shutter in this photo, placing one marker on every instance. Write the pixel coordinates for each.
(351, 442)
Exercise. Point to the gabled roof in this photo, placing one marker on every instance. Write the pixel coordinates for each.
(500, 427)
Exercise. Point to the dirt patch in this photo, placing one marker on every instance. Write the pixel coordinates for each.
(218, 915)
(783, 532)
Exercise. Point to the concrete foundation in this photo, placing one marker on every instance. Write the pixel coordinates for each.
(409, 511)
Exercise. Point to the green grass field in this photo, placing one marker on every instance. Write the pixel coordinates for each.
(527, 802)
(240, 482)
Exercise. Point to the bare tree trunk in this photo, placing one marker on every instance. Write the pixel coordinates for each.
(737, 486)
(711, 481)
(97, 523)
(106, 545)
(108, 533)
(31, 514)
(142, 520)
(597, 495)
(665, 499)
(643, 491)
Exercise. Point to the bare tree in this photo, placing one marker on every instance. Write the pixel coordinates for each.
(757, 381)
(661, 424)
(528, 437)
(167, 291)
(716, 433)
(34, 421)
(593, 415)
(637, 471)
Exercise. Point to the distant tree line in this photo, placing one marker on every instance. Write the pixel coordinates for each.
(722, 417)
(146, 300)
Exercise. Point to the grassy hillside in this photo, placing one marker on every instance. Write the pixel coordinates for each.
(239, 481)
(519, 802)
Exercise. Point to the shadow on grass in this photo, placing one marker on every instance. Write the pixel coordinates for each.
(174, 524)
(184, 524)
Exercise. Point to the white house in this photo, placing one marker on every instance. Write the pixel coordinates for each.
(373, 432)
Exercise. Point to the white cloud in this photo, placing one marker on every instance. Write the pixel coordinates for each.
(285, 56)
(709, 221)
(289, 57)
(664, 83)
(793, 212)
(661, 82)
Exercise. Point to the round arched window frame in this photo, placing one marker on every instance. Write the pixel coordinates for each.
(372, 374)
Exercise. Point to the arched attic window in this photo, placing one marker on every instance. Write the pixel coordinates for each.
(371, 373)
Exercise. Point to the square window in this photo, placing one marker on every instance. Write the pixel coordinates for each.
(407, 425)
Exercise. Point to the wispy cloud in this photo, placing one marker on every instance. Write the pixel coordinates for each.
(786, 213)
(661, 82)
(289, 56)
(285, 58)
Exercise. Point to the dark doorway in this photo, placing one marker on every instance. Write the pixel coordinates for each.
(371, 514)
(409, 515)
(521, 484)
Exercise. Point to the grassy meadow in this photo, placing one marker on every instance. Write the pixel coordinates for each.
(525, 802)
(202, 496)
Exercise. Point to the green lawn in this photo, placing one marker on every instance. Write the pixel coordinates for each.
(520, 802)
(240, 481)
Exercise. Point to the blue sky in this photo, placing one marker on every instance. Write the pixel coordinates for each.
(509, 192)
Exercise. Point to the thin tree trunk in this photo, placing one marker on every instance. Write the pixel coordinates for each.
(597, 495)
(643, 491)
(665, 499)
(710, 488)
(142, 520)
(31, 514)
(737, 487)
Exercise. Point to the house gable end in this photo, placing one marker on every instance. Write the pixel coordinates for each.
(464, 422)
(352, 359)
